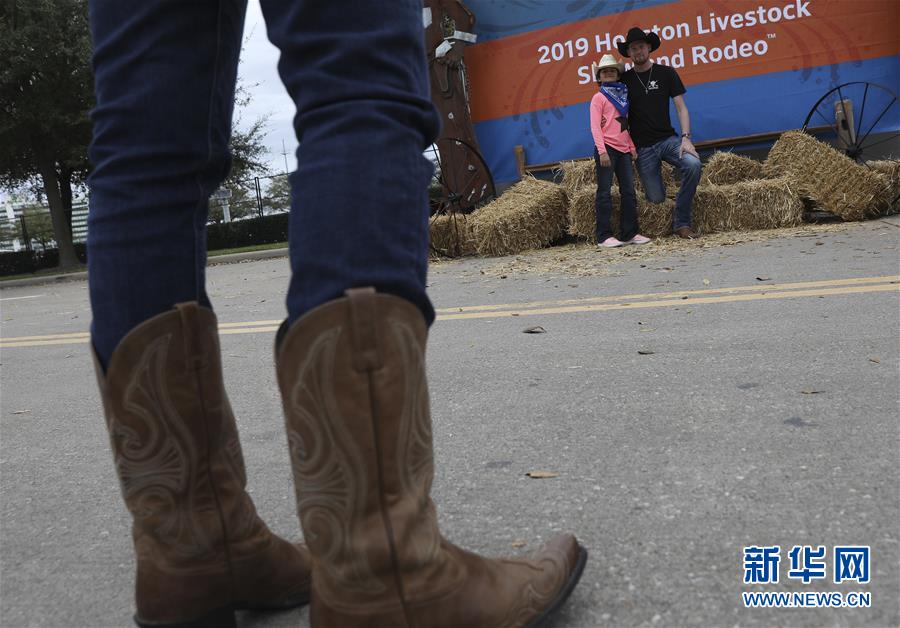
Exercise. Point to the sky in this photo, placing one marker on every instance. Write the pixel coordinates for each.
(258, 73)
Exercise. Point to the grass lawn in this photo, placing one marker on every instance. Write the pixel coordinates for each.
(53, 272)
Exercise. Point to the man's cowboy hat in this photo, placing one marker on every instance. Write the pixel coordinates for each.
(638, 34)
(607, 61)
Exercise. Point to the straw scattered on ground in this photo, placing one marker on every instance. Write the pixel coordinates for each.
(725, 168)
(755, 204)
(586, 260)
(529, 215)
(826, 176)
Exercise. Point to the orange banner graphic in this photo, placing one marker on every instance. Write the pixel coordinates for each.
(705, 40)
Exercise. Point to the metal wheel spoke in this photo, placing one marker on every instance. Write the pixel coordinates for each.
(878, 119)
(830, 123)
(862, 109)
(881, 141)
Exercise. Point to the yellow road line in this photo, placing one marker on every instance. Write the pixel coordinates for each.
(600, 307)
(568, 306)
(761, 287)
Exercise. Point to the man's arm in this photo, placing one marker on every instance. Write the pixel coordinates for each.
(684, 120)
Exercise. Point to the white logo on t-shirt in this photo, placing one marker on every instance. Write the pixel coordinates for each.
(652, 85)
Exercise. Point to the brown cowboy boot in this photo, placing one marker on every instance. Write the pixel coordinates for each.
(202, 551)
(352, 378)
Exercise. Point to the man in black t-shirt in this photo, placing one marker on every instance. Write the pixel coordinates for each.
(650, 86)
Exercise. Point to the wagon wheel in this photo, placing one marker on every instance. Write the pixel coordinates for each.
(852, 111)
(462, 181)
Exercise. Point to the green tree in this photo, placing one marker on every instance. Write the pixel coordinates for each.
(248, 160)
(278, 194)
(46, 92)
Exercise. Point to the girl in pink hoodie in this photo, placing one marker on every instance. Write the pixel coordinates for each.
(613, 154)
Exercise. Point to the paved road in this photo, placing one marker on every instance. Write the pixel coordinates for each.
(692, 404)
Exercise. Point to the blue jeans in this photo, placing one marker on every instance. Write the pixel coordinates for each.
(620, 165)
(649, 162)
(165, 74)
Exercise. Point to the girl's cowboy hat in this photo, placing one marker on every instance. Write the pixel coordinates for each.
(638, 34)
(607, 61)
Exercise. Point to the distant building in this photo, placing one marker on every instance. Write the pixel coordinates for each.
(11, 211)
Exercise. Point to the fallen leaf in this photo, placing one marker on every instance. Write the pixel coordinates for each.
(875, 360)
(541, 475)
(819, 243)
(811, 392)
(22, 412)
(763, 278)
(518, 543)
(537, 329)
(645, 352)
(706, 282)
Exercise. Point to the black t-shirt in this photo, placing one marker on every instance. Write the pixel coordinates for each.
(648, 94)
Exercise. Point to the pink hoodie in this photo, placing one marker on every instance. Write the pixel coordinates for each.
(605, 128)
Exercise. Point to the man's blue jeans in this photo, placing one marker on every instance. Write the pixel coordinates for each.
(165, 74)
(649, 164)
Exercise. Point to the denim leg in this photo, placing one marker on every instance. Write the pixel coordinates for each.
(603, 200)
(689, 168)
(628, 221)
(649, 164)
(359, 217)
(165, 75)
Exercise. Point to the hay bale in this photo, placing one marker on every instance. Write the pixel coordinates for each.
(450, 235)
(889, 201)
(747, 205)
(825, 175)
(577, 175)
(655, 220)
(724, 168)
(529, 215)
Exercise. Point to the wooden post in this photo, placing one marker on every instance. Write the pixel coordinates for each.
(520, 159)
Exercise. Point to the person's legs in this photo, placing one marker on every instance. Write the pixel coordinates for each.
(628, 218)
(352, 369)
(688, 168)
(364, 116)
(649, 169)
(603, 201)
(165, 76)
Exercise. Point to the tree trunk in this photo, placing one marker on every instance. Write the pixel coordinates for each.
(65, 193)
(62, 235)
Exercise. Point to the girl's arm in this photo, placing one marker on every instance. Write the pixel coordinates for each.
(596, 129)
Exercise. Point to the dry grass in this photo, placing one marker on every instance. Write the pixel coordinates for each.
(529, 215)
(724, 168)
(757, 204)
(825, 175)
(577, 175)
(450, 236)
(585, 260)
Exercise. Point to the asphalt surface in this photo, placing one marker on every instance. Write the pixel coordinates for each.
(763, 409)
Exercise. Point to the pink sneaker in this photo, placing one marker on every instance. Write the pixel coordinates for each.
(638, 239)
(610, 243)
